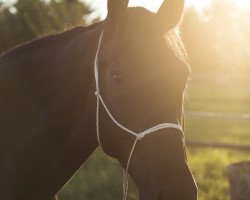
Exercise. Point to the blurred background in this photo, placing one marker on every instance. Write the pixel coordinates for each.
(217, 38)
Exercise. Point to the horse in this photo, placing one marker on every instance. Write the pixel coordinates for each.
(48, 104)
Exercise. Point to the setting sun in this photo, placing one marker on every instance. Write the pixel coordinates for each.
(243, 3)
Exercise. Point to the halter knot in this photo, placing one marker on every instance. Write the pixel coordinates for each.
(97, 93)
(140, 136)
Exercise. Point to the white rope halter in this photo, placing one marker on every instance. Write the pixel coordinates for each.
(138, 136)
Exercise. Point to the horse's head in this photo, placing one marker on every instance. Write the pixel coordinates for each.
(142, 80)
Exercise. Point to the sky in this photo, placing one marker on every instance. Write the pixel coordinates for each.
(153, 5)
(101, 5)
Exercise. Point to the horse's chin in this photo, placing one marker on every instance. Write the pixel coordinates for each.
(180, 194)
(160, 170)
(172, 188)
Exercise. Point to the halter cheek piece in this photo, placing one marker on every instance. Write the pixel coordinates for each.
(138, 136)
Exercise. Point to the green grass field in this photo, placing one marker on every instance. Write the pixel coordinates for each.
(100, 178)
(210, 165)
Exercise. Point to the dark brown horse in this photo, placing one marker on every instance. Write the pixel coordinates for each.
(47, 104)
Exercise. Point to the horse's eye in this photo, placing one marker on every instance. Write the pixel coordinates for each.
(117, 77)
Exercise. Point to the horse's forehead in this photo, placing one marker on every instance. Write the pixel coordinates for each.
(143, 37)
(141, 23)
(139, 14)
(140, 41)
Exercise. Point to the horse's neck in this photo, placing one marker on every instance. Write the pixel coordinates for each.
(47, 116)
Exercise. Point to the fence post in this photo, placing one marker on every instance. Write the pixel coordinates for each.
(239, 178)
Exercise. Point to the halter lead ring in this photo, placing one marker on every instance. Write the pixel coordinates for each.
(138, 136)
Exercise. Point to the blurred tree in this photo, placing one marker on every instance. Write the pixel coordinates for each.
(29, 19)
(217, 39)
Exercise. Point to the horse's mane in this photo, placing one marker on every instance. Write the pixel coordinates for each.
(48, 39)
(173, 38)
(175, 43)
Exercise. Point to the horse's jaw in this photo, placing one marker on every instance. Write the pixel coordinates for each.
(159, 168)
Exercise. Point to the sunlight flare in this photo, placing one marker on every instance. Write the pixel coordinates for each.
(152, 5)
(245, 4)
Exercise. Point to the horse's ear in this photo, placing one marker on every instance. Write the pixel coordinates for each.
(116, 10)
(169, 14)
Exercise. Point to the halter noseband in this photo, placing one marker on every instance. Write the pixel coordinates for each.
(138, 136)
